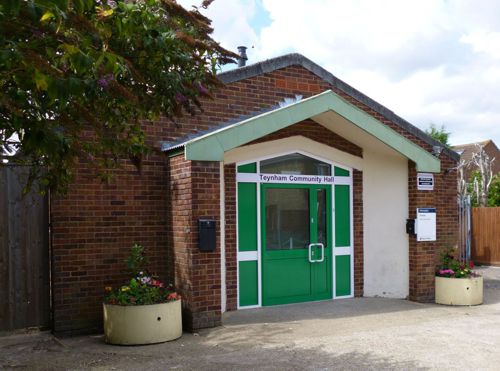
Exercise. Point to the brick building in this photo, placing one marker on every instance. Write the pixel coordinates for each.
(308, 181)
(466, 151)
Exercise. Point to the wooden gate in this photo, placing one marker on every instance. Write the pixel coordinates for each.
(486, 235)
(24, 253)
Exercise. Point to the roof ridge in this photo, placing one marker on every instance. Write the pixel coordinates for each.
(473, 143)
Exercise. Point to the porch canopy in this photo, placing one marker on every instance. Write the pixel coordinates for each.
(327, 109)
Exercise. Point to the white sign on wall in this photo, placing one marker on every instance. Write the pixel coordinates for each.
(426, 224)
(286, 178)
(425, 181)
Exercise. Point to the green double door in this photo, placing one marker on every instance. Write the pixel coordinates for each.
(296, 243)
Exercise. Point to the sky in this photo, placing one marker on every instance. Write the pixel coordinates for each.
(429, 61)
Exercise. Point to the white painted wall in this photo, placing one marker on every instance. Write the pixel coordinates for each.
(385, 209)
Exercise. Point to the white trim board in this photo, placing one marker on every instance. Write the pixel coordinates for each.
(223, 294)
(266, 178)
(245, 256)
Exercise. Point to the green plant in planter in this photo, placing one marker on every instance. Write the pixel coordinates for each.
(143, 288)
(136, 262)
(454, 268)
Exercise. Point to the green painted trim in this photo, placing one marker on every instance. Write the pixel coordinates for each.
(341, 172)
(248, 283)
(342, 275)
(248, 168)
(342, 216)
(247, 216)
(211, 147)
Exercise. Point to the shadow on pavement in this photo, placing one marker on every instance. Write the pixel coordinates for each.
(491, 279)
(43, 352)
(329, 309)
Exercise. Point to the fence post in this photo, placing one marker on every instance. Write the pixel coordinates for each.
(464, 228)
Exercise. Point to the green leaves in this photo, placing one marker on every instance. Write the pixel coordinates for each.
(48, 15)
(104, 12)
(81, 6)
(136, 261)
(77, 77)
(439, 133)
(41, 80)
(10, 7)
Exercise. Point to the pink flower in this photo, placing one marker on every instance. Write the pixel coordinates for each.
(145, 280)
(446, 271)
(180, 98)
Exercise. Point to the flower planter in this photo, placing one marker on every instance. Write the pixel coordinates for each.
(459, 291)
(142, 324)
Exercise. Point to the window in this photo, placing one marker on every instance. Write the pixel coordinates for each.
(295, 163)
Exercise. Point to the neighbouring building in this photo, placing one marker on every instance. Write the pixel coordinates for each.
(467, 150)
(308, 183)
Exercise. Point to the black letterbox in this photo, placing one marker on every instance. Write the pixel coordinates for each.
(206, 234)
(410, 226)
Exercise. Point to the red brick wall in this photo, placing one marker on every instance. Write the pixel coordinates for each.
(316, 132)
(180, 215)
(93, 228)
(195, 194)
(424, 256)
(206, 273)
(244, 97)
(357, 187)
(230, 238)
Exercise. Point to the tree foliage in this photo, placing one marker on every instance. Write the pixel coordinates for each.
(78, 76)
(484, 163)
(494, 192)
(493, 196)
(439, 133)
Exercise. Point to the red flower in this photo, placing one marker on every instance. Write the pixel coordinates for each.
(471, 264)
(173, 296)
(156, 283)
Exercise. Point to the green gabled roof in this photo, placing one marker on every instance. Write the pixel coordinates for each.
(211, 146)
(295, 59)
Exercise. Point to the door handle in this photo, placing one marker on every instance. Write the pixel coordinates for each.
(322, 252)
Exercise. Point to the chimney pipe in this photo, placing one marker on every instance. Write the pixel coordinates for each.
(242, 60)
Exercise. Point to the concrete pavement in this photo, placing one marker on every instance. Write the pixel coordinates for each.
(350, 334)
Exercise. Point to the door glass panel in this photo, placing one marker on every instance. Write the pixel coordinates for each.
(287, 218)
(295, 163)
(321, 216)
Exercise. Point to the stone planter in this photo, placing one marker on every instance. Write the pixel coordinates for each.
(459, 291)
(142, 324)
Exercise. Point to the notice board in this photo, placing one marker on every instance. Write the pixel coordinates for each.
(426, 224)
(425, 182)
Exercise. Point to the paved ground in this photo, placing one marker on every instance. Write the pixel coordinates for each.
(361, 334)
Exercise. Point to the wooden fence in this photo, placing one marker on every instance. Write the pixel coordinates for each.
(486, 235)
(24, 253)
